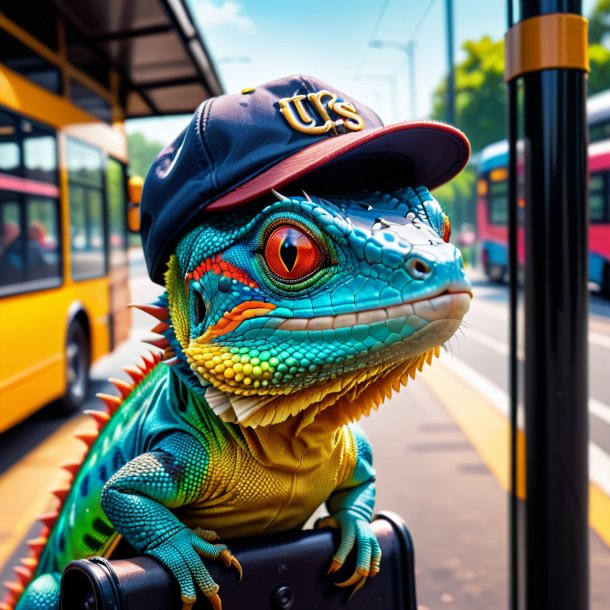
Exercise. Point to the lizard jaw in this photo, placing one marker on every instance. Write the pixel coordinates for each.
(449, 305)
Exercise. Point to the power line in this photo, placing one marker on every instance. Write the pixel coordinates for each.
(380, 16)
(422, 18)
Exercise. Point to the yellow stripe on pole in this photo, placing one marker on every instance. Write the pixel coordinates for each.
(556, 41)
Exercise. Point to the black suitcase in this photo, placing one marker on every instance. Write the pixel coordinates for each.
(281, 572)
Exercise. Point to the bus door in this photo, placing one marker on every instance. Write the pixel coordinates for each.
(118, 264)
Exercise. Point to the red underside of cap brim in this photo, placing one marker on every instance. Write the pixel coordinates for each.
(421, 153)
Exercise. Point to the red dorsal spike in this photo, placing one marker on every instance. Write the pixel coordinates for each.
(37, 544)
(134, 372)
(157, 356)
(159, 328)
(49, 519)
(87, 437)
(100, 417)
(161, 313)
(124, 387)
(112, 402)
(160, 342)
(71, 467)
(23, 574)
(6, 605)
(61, 493)
(15, 587)
(29, 562)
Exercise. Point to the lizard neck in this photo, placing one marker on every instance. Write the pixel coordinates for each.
(290, 446)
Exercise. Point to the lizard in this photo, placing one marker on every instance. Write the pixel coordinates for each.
(282, 323)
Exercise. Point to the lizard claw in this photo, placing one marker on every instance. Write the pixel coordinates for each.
(358, 575)
(358, 578)
(231, 561)
(334, 566)
(188, 602)
(215, 601)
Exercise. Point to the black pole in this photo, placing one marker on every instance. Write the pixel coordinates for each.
(556, 309)
(450, 63)
(515, 552)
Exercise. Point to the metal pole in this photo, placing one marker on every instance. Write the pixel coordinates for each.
(556, 310)
(515, 552)
(450, 63)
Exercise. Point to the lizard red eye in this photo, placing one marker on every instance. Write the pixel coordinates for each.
(292, 254)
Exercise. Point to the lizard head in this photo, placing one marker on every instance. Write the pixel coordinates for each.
(314, 306)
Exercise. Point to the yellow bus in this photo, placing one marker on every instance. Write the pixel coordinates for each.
(68, 79)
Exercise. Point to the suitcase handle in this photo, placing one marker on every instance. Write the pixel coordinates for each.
(142, 583)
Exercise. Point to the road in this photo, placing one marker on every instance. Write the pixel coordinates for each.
(440, 450)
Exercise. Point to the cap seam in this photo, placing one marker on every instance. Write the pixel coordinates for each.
(201, 128)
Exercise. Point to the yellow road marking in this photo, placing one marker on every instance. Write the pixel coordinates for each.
(24, 488)
(489, 432)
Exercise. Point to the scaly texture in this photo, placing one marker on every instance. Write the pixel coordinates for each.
(281, 326)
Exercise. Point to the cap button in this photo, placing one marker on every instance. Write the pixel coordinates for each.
(247, 90)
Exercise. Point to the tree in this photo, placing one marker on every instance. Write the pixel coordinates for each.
(142, 153)
(599, 23)
(480, 93)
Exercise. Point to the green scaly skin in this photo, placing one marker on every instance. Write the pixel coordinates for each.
(284, 322)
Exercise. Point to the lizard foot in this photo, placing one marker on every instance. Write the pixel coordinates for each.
(357, 532)
(182, 553)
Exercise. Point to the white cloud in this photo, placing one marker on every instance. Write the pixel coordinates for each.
(212, 14)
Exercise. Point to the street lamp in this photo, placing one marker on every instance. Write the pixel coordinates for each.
(409, 49)
(386, 78)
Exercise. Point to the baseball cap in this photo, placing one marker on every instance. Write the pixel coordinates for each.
(295, 131)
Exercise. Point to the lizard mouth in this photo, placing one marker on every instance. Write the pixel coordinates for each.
(449, 305)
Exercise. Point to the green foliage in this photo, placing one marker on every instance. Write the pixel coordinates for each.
(480, 113)
(142, 153)
(599, 23)
(480, 93)
(599, 78)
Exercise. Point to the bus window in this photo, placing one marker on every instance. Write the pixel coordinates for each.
(117, 205)
(498, 202)
(30, 244)
(43, 238)
(90, 101)
(26, 62)
(87, 226)
(39, 153)
(10, 153)
(598, 201)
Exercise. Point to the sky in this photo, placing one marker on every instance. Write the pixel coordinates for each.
(255, 41)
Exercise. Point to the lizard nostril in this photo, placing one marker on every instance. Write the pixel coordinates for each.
(417, 268)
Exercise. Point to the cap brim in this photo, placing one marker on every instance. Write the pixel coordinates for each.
(420, 153)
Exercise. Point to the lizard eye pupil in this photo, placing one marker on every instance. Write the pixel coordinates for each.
(289, 250)
(199, 308)
(291, 254)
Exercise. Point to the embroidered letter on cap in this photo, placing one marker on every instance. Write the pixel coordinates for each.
(298, 111)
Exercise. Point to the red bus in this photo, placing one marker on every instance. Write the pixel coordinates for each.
(492, 213)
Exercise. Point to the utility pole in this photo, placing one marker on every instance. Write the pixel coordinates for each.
(450, 63)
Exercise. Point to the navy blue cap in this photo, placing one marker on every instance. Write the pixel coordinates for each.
(295, 130)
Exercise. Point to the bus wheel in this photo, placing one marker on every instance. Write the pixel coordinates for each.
(77, 369)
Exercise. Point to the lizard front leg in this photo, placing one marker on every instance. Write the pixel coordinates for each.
(138, 499)
(351, 509)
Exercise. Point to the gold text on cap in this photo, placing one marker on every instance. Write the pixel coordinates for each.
(311, 113)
